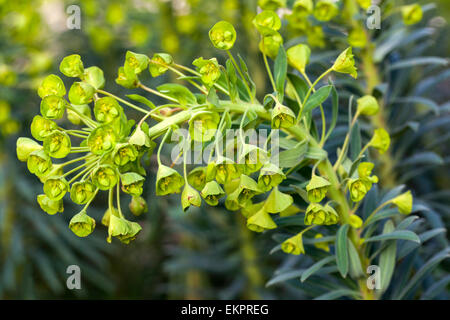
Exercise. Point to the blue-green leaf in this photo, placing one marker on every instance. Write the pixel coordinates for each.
(341, 250)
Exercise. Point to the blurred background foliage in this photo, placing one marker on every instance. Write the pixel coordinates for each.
(206, 253)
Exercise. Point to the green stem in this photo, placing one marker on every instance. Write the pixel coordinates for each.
(161, 144)
(135, 107)
(157, 93)
(269, 72)
(241, 75)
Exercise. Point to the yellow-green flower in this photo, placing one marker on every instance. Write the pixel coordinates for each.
(332, 216)
(412, 14)
(25, 146)
(52, 85)
(50, 206)
(355, 222)
(267, 21)
(81, 93)
(81, 224)
(325, 10)
(345, 63)
(261, 221)
(315, 214)
(282, 116)
(225, 170)
(358, 188)
(404, 202)
(212, 192)
(57, 144)
(270, 176)
(298, 56)
(72, 66)
(56, 187)
(302, 8)
(270, 44)
(135, 63)
(247, 189)
(168, 181)
(364, 4)
(380, 140)
(252, 158)
(189, 197)
(132, 183)
(159, 64)
(197, 178)
(94, 76)
(128, 81)
(203, 125)
(357, 37)
(122, 229)
(294, 245)
(102, 139)
(367, 105)
(222, 35)
(53, 107)
(317, 188)
(82, 191)
(124, 153)
(365, 170)
(39, 163)
(209, 70)
(321, 245)
(138, 206)
(107, 109)
(278, 201)
(271, 4)
(41, 128)
(105, 177)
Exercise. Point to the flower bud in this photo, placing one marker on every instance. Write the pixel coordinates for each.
(226, 170)
(122, 229)
(189, 197)
(212, 192)
(81, 224)
(53, 107)
(325, 10)
(270, 176)
(203, 125)
(267, 21)
(294, 245)
(52, 85)
(261, 221)
(105, 177)
(132, 183)
(81, 93)
(355, 222)
(57, 144)
(380, 140)
(252, 157)
(357, 37)
(404, 202)
(107, 109)
(222, 35)
(298, 56)
(332, 216)
(302, 8)
(128, 81)
(39, 163)
(83, 109)
(138, 206)
(135, 63)
(271, 4)
(82, 192)
(168, 181)
(282, 117)
(158, 64)
(317, 188)
(345, 63)
(94, 76)
(367, 105)
(278, 201)
(56, 187)
(412, 14)
(124, 153)
(41, 128)
(25, 146)
(321, 245)
(197, 178)
(72, 66)
(209, 70)
(315, 214)
(102, 139)
(50, 206)
(270, 44)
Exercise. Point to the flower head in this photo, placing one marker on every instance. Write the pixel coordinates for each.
(355, 221)
(168, 181)
(302, 8)
(197, 178)
(357, 37)
(53, 107)
(222, 35)
(72, 66)
(278, 201)
(159, 63)
(208, 69)
(203, 125)
(404, 202)
(325, 10)
(261, 221)
(82, 191)
(94, 76)
(81, 224)
(332, 216)
(358, 188)
(105, 177)
(294, 245)
(41, 127)
(317, 188)
(298, 56)
(282, 116)
(132, 183)
(81, 93)
(107, 109)
(225, 170)
(55, 187)
(122, 229)
(267, 21)
(412, 14)
(25, 146)
(315, 214)
(52, 85)
(50, 206)
(270, 176)
(135, 63)
(189, 197)
(39, 163)
(271, 43)
(212, 192)
(125, 80)
(271, 4)
(124, 153)
(367, 105)
(252, 158)
(380, 140)
(57, 144)
(345, 63)
(102, 139)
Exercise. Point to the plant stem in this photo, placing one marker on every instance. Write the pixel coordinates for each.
(135, 107)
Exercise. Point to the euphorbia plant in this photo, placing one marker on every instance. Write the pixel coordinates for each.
(255, 179)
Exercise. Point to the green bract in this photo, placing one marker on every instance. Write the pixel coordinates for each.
(39, 163)
(53, 107)
(138, 206)
(189, 197)
(278, 201)
(345, 63)
(72, 66)
(298, 56)
(25, 146)
(302, 8)
(94, 76)
(52, 85)
(294, 245)
(368, 105)
(225, 170)
(208, 69)
(132, 183)
(282, 117)
(41, 128)
(197, 178)
(57, 144)
(55, 187)
(317, 188)
(271, 4)
(270, 44)
(203, 125)
(168, 181)
(252, 157)
(355, 222)
(315, 214)
(404, 202)
(158, 64)
(222, 35)
(122, 229)
(81, 224)
(107, 109)
(212, 192)
(261, 221)
(270, 176)
(126, 80)
(135, 63)
(82, 191)
(124, 153)
(332, 216)
(380, 140)
(140, 139)
(412, 14)
(105, 177)
(102, 139)
(267, 21)
(325, 10)
(81, 93)
(246, 190)
(50, 206)
(358, 188)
